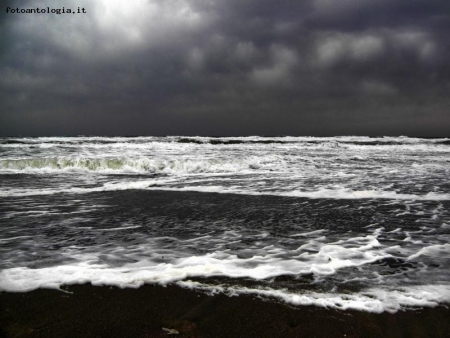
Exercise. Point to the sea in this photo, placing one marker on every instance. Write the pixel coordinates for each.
(349, 222)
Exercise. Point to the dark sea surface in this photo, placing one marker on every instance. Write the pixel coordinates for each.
(345, 222)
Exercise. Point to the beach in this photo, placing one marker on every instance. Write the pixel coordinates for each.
(102, 311)
(224, 237)
(225, 169)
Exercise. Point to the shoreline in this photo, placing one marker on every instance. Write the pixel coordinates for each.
(103, 311)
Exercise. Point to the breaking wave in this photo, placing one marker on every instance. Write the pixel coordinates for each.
(142, 165)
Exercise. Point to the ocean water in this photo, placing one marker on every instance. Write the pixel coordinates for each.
(344, 222)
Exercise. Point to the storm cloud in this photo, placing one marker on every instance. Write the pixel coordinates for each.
(233, 67)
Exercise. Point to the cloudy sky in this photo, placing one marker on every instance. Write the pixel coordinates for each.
(226, 67)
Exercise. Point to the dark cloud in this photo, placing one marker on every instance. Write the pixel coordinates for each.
(227, 67)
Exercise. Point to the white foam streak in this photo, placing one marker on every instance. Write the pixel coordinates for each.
(371, 300)
(432, 251)
(321, 193)
(161, 185)
(120, 229)
(309, 233)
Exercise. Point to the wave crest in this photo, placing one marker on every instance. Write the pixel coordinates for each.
(142, 165)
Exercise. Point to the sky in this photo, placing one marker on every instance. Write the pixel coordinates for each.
(226, 67)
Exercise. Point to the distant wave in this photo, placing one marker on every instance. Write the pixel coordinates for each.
(350, 140)
(306, 142)
(359, 141)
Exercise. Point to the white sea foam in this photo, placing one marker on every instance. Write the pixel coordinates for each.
(120, 228)
(439, 250)
(313, 257)
(309, 233)
(373, 299)
(164, 185)
(322, 193)
(316, 255)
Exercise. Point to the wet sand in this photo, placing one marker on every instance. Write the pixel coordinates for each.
(92, 311)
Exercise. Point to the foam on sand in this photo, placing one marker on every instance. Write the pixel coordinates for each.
(372, 299)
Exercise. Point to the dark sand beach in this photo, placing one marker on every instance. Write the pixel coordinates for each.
(101, 311)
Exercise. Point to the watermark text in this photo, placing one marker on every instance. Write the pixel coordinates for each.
(46, 10)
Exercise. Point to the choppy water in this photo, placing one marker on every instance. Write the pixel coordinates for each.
(344, 222)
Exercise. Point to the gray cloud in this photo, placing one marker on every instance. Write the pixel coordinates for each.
(227, 67)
